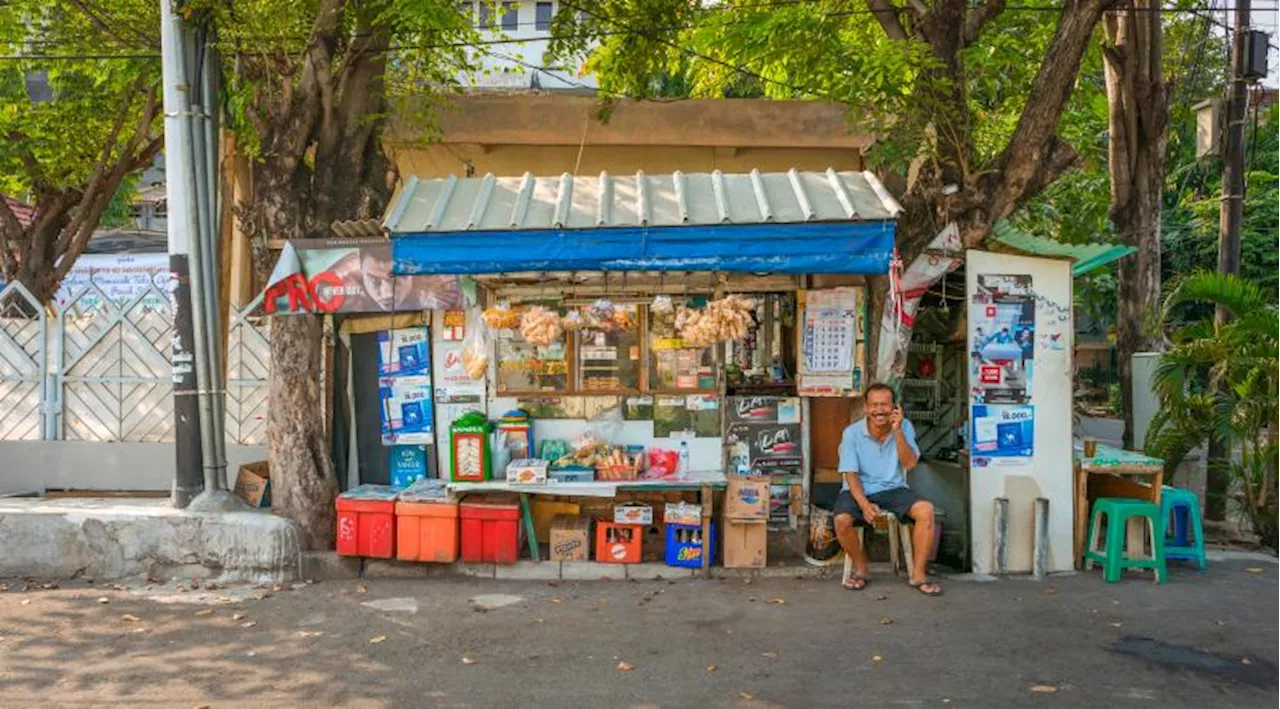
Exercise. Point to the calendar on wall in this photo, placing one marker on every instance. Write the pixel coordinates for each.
(832, 343)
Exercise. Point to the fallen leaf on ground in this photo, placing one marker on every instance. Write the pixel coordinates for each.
(1044, 688)
(876, 658)
(26, 601)
(237, 616)
(1255, 569)
(881, 597)
(128, 618)
(249, 624)
(376, 640)
(1246, 661)
(310, 633)
(205, 612)
(769, 653)
(139, 631)
(202, 706)
(468, 661)
(4, 587)
(746, 695)
(711, 668)
(104, 599)
(277, 588)
(626, 666)
(777, 600)
(886, 621)
(1050, 590)
(751, 599)
(556, 599)
(1116, 624)
(362, 588)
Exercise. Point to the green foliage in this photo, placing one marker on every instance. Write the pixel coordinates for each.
(1191, 222)
(1218, 382)
(57, 144)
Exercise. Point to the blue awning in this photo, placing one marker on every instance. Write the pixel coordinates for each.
(863, 247)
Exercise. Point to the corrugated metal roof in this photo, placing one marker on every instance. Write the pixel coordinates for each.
(492, 203)
(1086, 257)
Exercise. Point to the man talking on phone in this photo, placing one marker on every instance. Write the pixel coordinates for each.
(875, 454)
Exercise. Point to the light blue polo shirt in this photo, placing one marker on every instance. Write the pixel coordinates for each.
(876, 463)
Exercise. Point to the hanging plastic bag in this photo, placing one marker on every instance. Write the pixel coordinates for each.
(475, 349)
(823, 545)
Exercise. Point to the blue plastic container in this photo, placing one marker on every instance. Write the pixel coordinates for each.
(682, 551)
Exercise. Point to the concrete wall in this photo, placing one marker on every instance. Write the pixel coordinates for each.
(27, 466)
(549, 134)
(1048, 473)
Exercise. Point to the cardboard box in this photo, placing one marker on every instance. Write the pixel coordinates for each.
(745, 543)
(253, 484)
(570, 538)
(747, 498)
(633, 513)
(682, 513)
(527, 471)
(546, 511)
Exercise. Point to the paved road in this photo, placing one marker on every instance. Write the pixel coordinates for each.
(1200, 641)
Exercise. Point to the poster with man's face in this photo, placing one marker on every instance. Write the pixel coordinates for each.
(1002, 335)
(352, 276)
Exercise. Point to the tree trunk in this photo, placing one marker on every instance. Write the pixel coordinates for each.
(303, 483)
(1137, 98)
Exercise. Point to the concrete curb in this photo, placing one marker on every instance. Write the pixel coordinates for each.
(109, 539)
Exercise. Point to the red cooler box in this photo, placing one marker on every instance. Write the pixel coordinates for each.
(367, 522)
(490, 529)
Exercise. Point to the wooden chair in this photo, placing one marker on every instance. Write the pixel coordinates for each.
(899, 536)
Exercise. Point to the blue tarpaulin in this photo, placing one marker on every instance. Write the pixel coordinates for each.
(821, 247)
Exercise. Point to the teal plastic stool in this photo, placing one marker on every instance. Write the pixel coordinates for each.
(1183, 506)
(1118, 511)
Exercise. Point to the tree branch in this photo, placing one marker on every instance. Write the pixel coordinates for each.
(887, 15)
(978, 17)
(1019, 165)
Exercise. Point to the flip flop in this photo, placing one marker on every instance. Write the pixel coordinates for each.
(852, 583)
(920, 586)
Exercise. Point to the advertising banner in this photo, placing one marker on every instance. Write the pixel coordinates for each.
(351, 276)
(121, 277)
(1003, 432)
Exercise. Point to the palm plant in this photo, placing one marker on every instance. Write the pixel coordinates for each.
(1218, 382)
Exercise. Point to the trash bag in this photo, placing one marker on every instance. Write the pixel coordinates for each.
(823, 545)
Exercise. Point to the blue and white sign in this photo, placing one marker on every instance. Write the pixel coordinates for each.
(1002, 431)
(404, 351)
(407, 416)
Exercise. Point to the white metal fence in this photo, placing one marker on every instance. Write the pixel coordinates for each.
(98, 368)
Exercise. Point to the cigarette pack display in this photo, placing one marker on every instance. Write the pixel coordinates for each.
(527, 471)
(633, 513)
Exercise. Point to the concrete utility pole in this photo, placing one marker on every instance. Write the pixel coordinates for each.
(1231, 215)
(191, 160)
(1230, 223)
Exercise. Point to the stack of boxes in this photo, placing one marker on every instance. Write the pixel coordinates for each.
(745, 522)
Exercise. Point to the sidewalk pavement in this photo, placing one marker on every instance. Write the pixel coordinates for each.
(1203, 639)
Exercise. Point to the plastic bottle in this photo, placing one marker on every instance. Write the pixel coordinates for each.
(684, 457)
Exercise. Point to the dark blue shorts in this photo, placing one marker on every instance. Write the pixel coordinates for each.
(898, 501)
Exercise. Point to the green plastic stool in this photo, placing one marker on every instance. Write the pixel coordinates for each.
(1118, 512)
(1182, 507)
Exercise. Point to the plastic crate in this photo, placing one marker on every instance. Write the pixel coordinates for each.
(688, 554)
(618, 543)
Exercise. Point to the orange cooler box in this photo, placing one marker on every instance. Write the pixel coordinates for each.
(490, 529)
(367, 522)
(427, 531)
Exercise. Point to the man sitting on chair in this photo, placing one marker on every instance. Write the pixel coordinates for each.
(875, 454)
